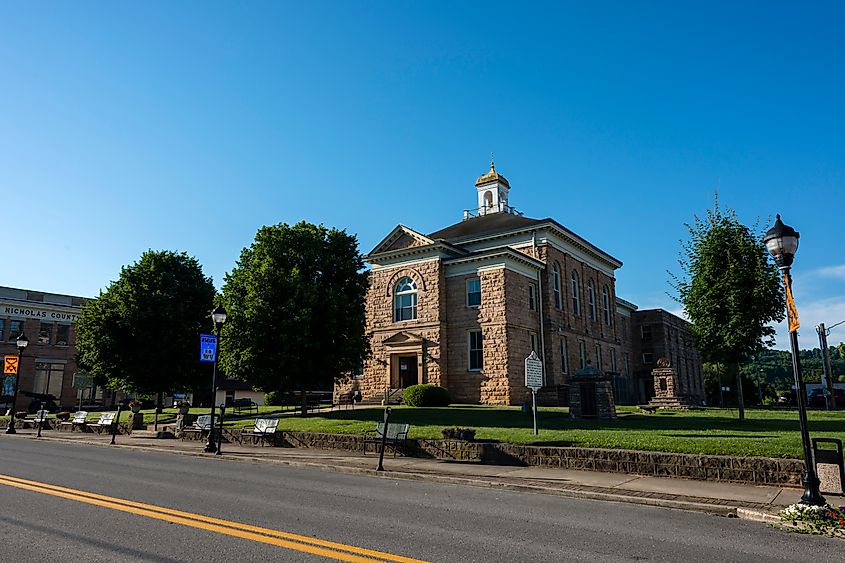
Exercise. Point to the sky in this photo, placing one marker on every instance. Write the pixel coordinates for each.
(187, 126)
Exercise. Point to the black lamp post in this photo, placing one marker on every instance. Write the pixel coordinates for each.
(22, 342)
(218, 315)
(782, 242)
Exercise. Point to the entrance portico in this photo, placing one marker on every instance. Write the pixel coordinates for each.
(407, 352)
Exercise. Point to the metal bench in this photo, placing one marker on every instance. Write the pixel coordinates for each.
(263, 429)
(240, 405)
(40, 418)
(201, 425)
(78, 421)
(396, 435)
(106, 422)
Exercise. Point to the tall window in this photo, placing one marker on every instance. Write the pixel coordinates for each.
(473, 292)
(532, 297)
(591, 300)
(627, 363)
(44, 333)
(2, 328)
(62, 335)
(556, 287)
(564, 359)
(582, 354)
(405, 300)
(599, 363)
(476, 350)
(613, 359)
(533, 342)
(576, 298)
(645, 332)
(15, 329)
(48, 378)
(605, 305)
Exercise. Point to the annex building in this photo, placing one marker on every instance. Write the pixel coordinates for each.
(463, 307)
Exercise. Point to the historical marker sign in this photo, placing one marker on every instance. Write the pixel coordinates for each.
(10, 365)
(533, 372)
(208, 347)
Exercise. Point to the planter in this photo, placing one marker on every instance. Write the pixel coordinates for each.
(62, 416)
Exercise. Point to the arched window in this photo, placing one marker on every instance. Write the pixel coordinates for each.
(591, 300)
(605, 305)
(556, 287)
(488, 200)
(576, 298)
(405, 300)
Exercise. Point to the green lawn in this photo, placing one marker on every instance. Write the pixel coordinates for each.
(772, 433)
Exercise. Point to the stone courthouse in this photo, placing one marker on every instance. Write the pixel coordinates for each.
(462, 307)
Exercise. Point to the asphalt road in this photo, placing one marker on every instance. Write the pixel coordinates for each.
(425, 521)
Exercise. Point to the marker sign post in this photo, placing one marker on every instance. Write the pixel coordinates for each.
(534, 381)
(208, 347)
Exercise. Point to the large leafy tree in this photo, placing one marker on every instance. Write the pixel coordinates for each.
(141, 334)
(731, 291)
(295, 304)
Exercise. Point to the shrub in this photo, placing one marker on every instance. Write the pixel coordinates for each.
(274, 398)
(426, 395)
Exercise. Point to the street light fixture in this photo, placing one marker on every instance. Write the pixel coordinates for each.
(21, 342)
(782, 242)
(218, 315)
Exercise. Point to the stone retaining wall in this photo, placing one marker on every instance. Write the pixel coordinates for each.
(751, 470)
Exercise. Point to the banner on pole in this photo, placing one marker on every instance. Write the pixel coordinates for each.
(208, 347)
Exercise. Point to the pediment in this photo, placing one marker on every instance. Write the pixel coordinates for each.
(403, 338)
(400, 238)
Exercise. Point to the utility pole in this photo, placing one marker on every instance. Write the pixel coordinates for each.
(828, 372)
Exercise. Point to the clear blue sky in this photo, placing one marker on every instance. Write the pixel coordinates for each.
(187, 126)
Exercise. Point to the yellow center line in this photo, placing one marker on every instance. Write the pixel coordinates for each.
(316, 546)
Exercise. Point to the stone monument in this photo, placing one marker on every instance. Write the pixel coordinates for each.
(591, 394)
(668, 390)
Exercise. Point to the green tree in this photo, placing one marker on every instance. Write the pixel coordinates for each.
(730, 290)
(295, 302)
(141, 334)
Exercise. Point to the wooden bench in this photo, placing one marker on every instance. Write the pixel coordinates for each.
(106, 422)
(202, 425)
(78, 421)
(238, 406)
(397, 434)
(263, 429)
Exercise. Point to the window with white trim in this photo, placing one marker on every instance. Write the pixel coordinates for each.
(564, 360)
(556, 287)
(605, 305)
(582, 354)
(532, 297)
(475, 347)
(473, 292)
(591, 300)
(576, 298)
(405, 300)
(599, 362)
(533, 342)
(613, 359)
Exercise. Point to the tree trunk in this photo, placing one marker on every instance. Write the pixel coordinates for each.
(304, 397)
(739, 398)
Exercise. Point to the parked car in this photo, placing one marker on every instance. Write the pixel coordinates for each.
(816, 398)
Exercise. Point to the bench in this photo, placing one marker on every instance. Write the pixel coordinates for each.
(240, 405)
(106, 421)
(263, 429)
(200, 426)
(40, 418)
(396, 434)
(78, 421)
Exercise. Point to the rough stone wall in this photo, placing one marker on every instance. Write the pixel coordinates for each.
(522, 322)
(490, 385)
(380, 324)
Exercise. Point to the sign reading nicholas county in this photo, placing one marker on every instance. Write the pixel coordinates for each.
(208, 347)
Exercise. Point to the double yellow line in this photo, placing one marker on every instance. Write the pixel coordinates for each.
(315, 546)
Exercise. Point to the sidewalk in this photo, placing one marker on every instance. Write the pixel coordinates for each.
(726, 499)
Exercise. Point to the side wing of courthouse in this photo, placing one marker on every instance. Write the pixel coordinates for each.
(463, 307)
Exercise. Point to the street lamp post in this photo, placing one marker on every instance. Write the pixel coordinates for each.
(782, 242)
(22, 342)
(218, 315)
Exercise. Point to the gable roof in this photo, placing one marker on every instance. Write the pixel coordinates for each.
(395, 234)
(489, 224)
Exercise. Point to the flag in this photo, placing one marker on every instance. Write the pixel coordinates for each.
(791, 311)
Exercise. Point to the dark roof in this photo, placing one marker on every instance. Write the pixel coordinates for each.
(234, 385)
(485, 225)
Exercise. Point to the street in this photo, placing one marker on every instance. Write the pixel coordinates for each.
(207, 509)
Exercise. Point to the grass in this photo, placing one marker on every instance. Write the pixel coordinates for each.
(770, 433)
(765, 432)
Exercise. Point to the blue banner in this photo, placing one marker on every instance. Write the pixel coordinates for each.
(208, 347)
